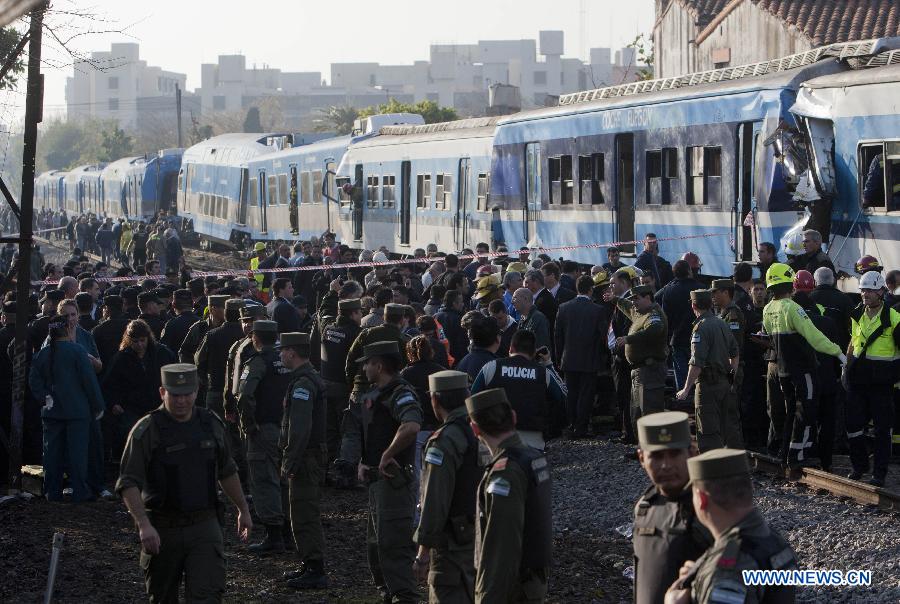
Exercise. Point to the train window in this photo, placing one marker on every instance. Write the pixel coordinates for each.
(343, 196)
(591, 171)
(223, 207)
(272, 192)
(655, 191)
(654, 164)
(283, 191)
(372, 191)
(317, 186)
(252, 198)
(670, 162)
(443, 192)
(330, 180)
(554, 169)
(880, 175)
(423, 190)
(388, 187)
(704, 172)
(484, 191)
(305, 192)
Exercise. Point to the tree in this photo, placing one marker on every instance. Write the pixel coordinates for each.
(336, 119)
(430, 111)
(252, 122)
(9, 39)
(643, 45)
(115, 144)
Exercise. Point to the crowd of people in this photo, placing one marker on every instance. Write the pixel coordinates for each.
(436, 384)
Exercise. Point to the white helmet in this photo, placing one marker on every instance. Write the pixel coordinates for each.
(872, 280)
(792, 244)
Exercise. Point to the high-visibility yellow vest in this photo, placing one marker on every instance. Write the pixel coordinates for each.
(254, 264)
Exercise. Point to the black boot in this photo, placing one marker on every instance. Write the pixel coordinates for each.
(287, 535)
(313, 576)
(272, 544)
(293, 574)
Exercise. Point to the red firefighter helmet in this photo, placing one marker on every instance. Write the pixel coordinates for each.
(868, 263)
(804, 281)
(693, 260)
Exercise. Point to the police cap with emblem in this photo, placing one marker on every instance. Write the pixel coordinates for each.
(639, 290)
(381, 349)
(485, 400)
(252, 312)
(151, 296)
(718, 463)
(218, 301)
(55, 295)
(701, 295)
(718, 284)
(183, 295)
(394, 311)
(447, 380)
(666, 430)
(179, 378)
(351, 304)
(265, 326)
(294, 339)
(234, 304)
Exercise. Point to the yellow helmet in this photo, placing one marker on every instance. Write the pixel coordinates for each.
(632, 272)
(260, 246)
(779, 273)
(601, 278)
(486, 286)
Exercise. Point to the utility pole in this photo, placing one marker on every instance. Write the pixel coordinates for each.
(34, 103)
(178, 110)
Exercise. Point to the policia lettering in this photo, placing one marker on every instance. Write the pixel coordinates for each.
(171, 463)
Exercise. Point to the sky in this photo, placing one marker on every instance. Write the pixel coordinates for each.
(302, 35)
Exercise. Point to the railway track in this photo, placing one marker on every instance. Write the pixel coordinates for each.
(836, 485)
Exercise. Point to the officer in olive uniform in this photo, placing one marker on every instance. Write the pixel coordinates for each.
(198, 330)
(446, 532)
(666, 532)
(723, 501)
(263, 383)
(176, 512)
(390, 421)
(714, 357)
(211, 355)
(336, 341)
(514, 530)
(389, 331)
(238, 354)
(303, 451)
(646, 346)
(722, 291)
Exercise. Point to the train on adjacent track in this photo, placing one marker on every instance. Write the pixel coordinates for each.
(739, 156)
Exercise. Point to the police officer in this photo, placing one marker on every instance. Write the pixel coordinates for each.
(199, 329)
(446, 532)
(666, 532)
(514, 534)
(336, 341)
(529, 384)
(176, 329)
(645, 348)
(263, 383)
(175, 512)
(212, 353)
(302, 444)
(871, 373)
(390, 421)
(723, 502)
(238, 354)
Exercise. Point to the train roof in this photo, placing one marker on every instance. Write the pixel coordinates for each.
(125, 163)
(857, 77)
(481, 127)
(246, 145)
(325, 144)
(85, 169)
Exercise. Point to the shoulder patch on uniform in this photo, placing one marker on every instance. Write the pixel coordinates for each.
(499, 486)
(301, 394)
(734, 326)
(802, 313)
(434, 456)
(695, 339)
(727, 591)
(245, 372)
(654, 319)
(406, 399)
(501, 464)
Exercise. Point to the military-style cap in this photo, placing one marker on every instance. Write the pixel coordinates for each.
(666, 430)
(639, 290)
(112, 300)
(179, 378)
(396, 311)
(265, 326)
(183, 295)
(196, 282)
(486, 399)
(381, 349)
(217, 301)
(701, 295)
(55, 295)
(252, 311)
(234, 304)
(151, 296)
(299, 301)
(293, 338)
(351, 304)
(447, 380)
(718, 463)
(718, 284)
(131, 293)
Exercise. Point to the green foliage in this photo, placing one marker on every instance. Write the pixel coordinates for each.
(252, 122)
(643, 46)
(115, 144)
(62, 144)
(430, 111)
(337, 119)
(9, 37)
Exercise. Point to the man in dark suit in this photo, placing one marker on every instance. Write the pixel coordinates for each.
(280, 308)
(552, 277)
(543, 299)
(580, 336)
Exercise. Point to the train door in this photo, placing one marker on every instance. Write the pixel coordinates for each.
(532, 206)
(263, 201)
(625, 189)
(357, 202)
(744, 215)
(294, 201)
(461, 221)
(245, 196)
(329, 189)
(405, 201)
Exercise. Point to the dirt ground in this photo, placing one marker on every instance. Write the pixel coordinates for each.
(99, 562)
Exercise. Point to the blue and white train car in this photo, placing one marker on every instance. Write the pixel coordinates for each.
(137, 188)
(83, 189)
(49, 190)
(675, 157)
(415, 185)
(852, 120)
(214, 191)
